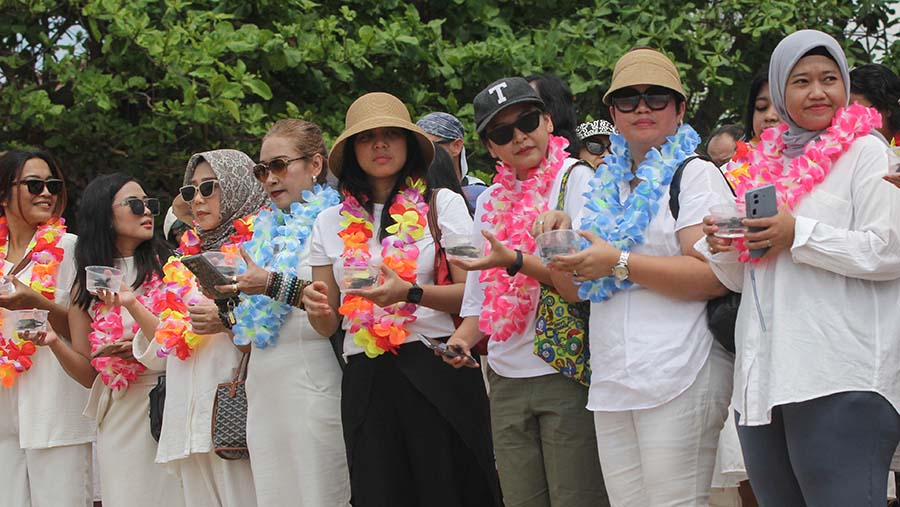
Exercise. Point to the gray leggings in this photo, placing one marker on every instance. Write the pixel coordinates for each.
(833, 451)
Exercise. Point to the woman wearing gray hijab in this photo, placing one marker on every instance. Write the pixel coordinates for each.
(817, 381)
(220, 188)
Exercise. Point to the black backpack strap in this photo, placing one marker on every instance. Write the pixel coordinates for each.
(675, 186)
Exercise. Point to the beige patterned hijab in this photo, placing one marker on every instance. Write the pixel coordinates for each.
(239, 192)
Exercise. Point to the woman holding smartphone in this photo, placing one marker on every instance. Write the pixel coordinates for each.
(116, 221)
(816, 391)
(193, 345)
(293, 380)
(44, 439)
(417, 432)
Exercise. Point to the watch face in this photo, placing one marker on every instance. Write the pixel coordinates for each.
(620, 272)
(414, 295)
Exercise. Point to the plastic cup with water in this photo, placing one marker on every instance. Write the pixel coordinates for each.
(460, 246)
(360, 277)
(559, 242)
(31, 321)
(728, 218)
(103, 277)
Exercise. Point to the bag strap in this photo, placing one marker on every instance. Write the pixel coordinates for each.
(561, 199)
(675, 186)
(433, 217)
(239, 376)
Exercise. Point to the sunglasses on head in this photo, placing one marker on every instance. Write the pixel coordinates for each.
(138, 206)
(206, 189)
(627, 100)
(596, 147)
(277, 166)
(36, 186)
(525, 124)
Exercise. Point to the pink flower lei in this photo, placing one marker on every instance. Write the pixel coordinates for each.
(764, 164)
(115, 372)
(511, 212)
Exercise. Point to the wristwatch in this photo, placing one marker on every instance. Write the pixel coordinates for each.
(620, 270)
(415, 294)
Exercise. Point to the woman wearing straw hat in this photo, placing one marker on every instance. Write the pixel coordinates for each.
(660, 383)
(416, 432)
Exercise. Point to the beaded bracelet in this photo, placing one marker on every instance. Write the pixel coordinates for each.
(268, 283)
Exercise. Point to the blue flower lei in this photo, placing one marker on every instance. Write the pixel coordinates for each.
(280, 241)
(623, 225)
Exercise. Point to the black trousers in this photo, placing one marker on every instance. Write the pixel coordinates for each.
(417, 432)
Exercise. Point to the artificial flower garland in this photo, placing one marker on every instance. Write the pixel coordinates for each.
(280, 241)
(118, 373)
(46, 254)
(180, 289)
(375, 329)
(623, 224)
(510, 301)
(764, 164)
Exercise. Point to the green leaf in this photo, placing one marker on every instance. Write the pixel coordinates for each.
(232, 108)
(259, 87)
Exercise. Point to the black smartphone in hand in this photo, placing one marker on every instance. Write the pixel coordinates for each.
(445, 350)
(207, 274)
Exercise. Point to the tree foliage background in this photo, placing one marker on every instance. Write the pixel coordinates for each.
(139, 85)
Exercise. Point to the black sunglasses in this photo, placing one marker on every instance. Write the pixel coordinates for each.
(36, 186)
(526, 124)
(206, 189)
(276, 165)
(656, 98)
(138, 206)
(596, 148)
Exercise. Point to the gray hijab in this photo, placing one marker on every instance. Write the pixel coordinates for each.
(239, 192)
(786, 55)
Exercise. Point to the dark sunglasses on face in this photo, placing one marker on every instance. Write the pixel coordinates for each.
(189, 192)
(139, 205)
(596, 147)
(525, 124)
(627, 100)
(276, 165)
(36, 186)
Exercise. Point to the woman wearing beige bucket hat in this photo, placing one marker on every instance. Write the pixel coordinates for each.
(412, 426)
(661, 384)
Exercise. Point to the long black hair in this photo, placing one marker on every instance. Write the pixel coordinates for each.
(355, 181)
(881, 87)
(11, 164)
(442, 174)
(96, 244)
(759, 80)
(559, 102)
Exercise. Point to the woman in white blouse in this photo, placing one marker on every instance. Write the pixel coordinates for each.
(45, 442)
(220, 188)
(817, 376)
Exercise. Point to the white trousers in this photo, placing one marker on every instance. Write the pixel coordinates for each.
(210, 481)
(664, 456)
(54, 477)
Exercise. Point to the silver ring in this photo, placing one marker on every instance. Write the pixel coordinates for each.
(234, 279)
(769, 243)
(235, 288)
(540, 222)
(574, 273)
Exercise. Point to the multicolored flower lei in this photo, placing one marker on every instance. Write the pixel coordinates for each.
(376, 329)
(15, 353)
(280, 241)
(764, 164)
(509, 301)
(180, 289)
(116, 372)
(623, 224)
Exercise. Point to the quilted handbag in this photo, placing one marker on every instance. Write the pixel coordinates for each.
(229, 416)
(561, 328)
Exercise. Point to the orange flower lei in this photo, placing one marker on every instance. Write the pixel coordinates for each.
(174, 332)
(15, 353)
(374, 329)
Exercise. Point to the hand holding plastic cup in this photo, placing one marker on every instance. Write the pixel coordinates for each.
(31, 321)
(460, 246)
(103, 277)
(229, 264)
(558, 242)
(360, 277)
(728, 218)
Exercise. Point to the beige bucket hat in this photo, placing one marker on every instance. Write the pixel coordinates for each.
(374, 110)
(644, 66)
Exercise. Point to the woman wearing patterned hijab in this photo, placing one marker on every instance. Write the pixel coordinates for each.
(221, 190)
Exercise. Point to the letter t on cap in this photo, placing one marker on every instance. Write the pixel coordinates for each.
(498, 90)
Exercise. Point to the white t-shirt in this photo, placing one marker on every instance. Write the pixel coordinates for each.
(647, 348)
(327, 249)
(515, 358)
(830, 301)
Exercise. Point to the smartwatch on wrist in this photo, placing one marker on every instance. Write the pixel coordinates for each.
(415, 294)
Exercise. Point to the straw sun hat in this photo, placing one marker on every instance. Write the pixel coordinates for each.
(374, 110)
(644, 66)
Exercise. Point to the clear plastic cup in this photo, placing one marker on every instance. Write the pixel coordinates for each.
(229, 264)
(103, 277)
(7, 287)
(728, 217)
(559, 242)
(460, 246)
(360, 277)
(31, 321)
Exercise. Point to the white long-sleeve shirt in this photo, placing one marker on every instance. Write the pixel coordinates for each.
(831, 301)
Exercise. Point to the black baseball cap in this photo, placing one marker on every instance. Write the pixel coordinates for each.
(499, 95)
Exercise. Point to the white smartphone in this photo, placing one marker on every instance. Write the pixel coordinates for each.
(761, 202)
